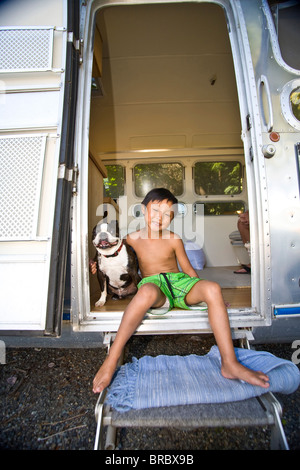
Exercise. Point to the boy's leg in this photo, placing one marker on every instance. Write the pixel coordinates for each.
(149, 295)
(210, 292)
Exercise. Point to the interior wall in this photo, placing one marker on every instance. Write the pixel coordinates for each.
(167, 78)
(95, 195)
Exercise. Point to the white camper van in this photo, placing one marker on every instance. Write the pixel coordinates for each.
(102, 100)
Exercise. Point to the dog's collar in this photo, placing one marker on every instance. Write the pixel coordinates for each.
(115, 253)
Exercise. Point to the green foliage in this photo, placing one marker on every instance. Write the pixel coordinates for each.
(114, 184)
(295, 103)
(216, 178)
(158, 175)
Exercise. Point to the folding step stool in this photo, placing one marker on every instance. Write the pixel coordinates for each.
(258, 411)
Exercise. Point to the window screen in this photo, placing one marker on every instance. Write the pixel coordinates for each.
(114, 184)
(218, 178)
(158, 175)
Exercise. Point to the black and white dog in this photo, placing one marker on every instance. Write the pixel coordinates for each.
(117, 269)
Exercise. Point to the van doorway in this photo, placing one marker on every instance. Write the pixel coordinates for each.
(165, 112)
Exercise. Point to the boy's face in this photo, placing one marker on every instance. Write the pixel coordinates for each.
(158, 214)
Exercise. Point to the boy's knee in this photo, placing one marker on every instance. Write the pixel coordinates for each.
(213, 290)
(149, 290)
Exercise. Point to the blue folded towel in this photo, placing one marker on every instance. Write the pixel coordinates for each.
(184, 380)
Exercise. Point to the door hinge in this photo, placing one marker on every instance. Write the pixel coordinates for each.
(70, 175)
(248, 121)
(251, 154)
(77, 44)
(75, 180)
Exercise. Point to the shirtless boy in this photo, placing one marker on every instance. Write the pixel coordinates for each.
(158, 251)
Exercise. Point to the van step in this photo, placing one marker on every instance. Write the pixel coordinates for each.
(258, 411)
(262, 411)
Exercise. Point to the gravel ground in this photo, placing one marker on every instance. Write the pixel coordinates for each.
(47, 402)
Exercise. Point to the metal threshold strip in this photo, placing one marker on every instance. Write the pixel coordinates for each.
(180, 321)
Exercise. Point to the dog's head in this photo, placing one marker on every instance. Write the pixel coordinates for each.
(106, 238)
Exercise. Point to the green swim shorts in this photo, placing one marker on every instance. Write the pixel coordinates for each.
(175, 286)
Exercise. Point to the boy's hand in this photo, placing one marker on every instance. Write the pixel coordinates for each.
(93, 266)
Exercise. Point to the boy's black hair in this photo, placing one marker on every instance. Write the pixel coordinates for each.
(159, 194)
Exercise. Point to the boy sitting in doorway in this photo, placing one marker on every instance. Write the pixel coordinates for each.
(158, 251)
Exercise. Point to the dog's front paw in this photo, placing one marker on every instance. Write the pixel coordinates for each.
(101, 301)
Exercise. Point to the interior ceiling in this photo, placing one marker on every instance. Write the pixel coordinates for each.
(168, 79)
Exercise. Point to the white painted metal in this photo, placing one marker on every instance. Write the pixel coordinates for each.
(32, 62)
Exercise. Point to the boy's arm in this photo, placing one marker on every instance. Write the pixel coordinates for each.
(182, 258)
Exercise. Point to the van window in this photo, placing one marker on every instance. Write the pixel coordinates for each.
(147, 176)
(286, 17)
(114, 184)
(218, 178)
(221, 208)
(295, 103)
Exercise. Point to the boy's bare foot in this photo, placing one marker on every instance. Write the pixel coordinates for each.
(104, 375)
(238, 371)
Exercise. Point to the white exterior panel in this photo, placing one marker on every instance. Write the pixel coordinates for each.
(38, 110)
(23, 299)
(33, 39)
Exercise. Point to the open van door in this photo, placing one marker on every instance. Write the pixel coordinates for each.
(39, 60)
